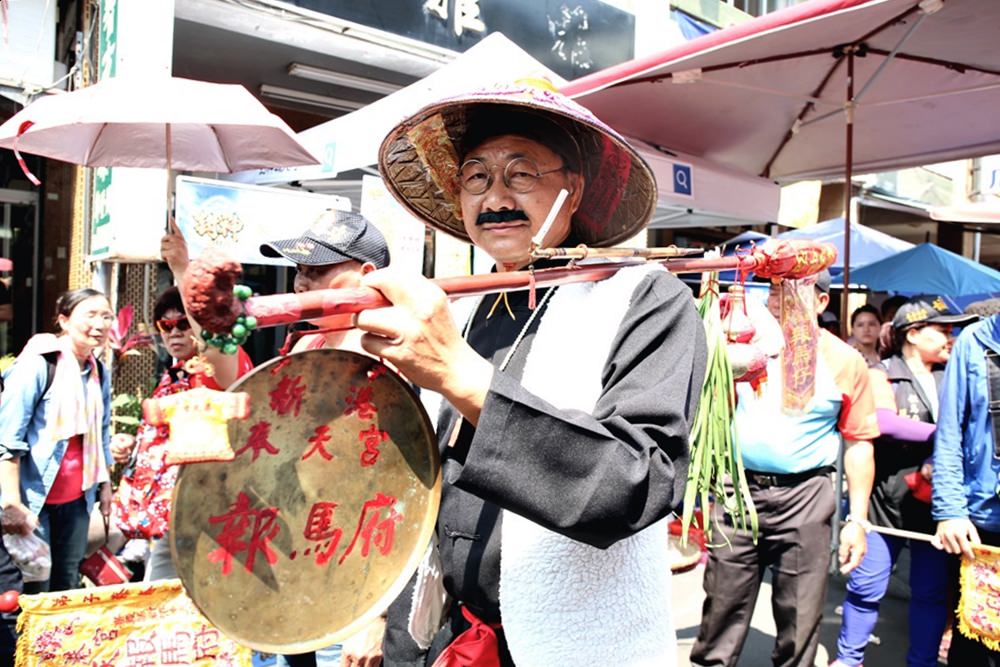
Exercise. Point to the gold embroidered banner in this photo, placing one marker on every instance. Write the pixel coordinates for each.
(979, 608)
(129, 624)
(798, 357)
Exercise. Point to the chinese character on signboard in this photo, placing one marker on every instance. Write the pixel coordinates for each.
(570, 29)
(465, 16)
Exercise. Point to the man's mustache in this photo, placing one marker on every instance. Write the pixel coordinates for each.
(487, 217)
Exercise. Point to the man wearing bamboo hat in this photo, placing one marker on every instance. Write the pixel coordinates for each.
(564, 425)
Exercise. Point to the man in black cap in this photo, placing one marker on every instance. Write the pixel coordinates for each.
(334, 252)
(827, 319)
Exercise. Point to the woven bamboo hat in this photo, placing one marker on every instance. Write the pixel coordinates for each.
(420, 158)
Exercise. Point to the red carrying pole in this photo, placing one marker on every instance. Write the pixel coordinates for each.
(208, 287)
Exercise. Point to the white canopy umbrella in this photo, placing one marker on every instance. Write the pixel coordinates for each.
(692, 189)
(818, 90)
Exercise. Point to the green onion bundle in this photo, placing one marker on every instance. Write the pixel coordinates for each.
(715, 450)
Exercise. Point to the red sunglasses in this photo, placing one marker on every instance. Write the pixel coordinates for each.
(166, 326)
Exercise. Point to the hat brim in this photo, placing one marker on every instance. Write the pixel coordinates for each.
(419, 162)
(958, 319)
(291, 249)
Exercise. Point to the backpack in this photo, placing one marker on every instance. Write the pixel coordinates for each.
(50, 372)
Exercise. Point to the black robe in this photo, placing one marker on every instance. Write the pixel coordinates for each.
(597, 478)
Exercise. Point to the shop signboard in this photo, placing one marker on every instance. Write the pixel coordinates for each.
(102, 234)
(237, 218)
(108, 40)
(572, 39)
(128, 206)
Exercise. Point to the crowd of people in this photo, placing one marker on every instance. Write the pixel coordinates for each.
(563, 422)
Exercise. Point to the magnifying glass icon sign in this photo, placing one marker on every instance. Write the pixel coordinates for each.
(681, 177)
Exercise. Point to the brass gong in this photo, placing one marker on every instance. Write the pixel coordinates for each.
(324, 514)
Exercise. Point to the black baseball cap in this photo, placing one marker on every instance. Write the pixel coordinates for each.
(335, 237)
(921, 310)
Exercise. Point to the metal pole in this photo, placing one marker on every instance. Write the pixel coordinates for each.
(848, 174)
(36, 287)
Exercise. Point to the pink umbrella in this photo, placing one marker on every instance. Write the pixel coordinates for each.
(159, 122)
(818, 90)
(6, 264)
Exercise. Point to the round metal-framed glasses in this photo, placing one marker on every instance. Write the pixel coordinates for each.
(520, 175)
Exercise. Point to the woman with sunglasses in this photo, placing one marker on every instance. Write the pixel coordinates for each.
(54, 435)
(142, 503)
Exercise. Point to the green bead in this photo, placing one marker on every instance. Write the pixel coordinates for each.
(241, 320)
(250, 322)
(239, 331)
(205, 334)
(230, 348)
(242, 292)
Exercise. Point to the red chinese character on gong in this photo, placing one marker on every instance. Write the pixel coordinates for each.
(235, 523)
(320, 528)
(375, 530)
(258, 440)
(287, 396)
(372, 437)
(318, 442)
(359, 399)
(375, 372)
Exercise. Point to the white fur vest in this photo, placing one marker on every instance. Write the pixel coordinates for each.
(563, 602)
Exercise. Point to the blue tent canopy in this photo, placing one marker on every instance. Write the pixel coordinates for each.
(867, 245)
(928, 269)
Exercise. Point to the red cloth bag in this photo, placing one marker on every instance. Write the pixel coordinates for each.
(102, 567)
(476, 647)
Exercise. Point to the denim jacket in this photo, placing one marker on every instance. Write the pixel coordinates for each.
(966, 473)
(21, 424)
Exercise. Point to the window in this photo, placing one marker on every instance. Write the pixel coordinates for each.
(760, 7)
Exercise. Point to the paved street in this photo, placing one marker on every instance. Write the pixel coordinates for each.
(890, 633)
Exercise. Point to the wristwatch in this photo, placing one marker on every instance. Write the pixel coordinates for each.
(864, 523)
